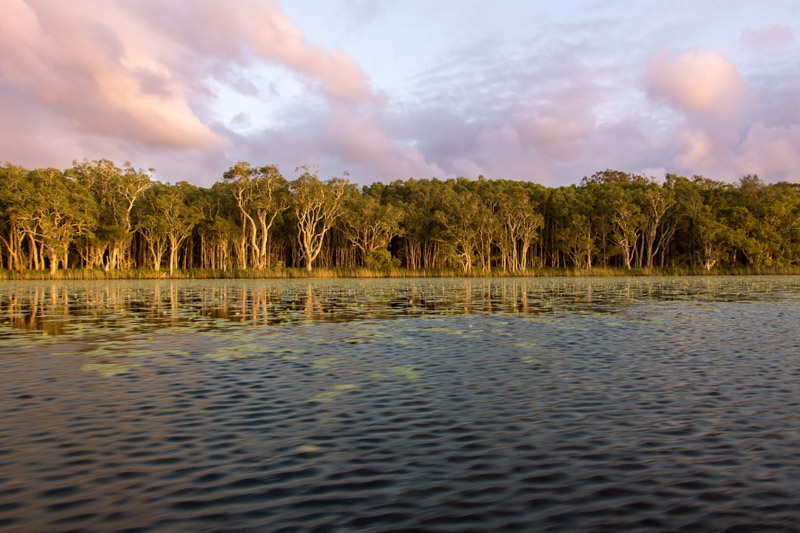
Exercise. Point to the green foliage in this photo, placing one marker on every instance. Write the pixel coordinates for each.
(106, 221)
(382, 260)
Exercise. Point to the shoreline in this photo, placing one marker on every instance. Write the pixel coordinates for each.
(365, 273)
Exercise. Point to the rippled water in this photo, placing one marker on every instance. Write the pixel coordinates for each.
(441, 405)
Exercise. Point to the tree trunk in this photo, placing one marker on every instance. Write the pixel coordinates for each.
(34, 259)
(53, 263)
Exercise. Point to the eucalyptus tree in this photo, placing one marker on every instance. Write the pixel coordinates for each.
(783, 213)
(28, 213)
(368, 224)
(521, 222)
(577, 240)
(657, 202)
(749, 236)
(316, 205)
(254, 217)
(628, 224)
(605, 189)
(151, 224)
(115, 191)
(217, 228)
(180, 217)
(617, 214)
(488, 232)
(240, 176)
(557, 211)
(770, 224)
(576, 234)
(459, 219)
(15, 193)
(488, 226)
(706, 204)
(63, 210)
(166, 220)
(627, 220)
(261, 194)
(689, 203)
(714, 235)
(679, 222)
(418, 199)
(604, 209)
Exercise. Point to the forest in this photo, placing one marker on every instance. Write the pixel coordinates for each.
(98, 216)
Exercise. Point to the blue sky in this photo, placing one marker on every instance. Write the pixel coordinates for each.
(539, 91)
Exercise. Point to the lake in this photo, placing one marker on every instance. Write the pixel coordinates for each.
(638, 404)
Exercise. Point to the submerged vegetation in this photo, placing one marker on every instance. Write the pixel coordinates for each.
(96, 220)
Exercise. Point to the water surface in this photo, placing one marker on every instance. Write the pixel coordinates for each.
(549, 405)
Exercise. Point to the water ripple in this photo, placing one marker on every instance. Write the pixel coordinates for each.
(638, 406)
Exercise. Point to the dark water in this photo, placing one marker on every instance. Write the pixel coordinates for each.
(531, 405)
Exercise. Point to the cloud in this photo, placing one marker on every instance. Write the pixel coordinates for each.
(76, 68)
(241, 121)
(135, 73)
(723, 128)
(504, 114)
(361, 137)
(697, 147)
(243, 31)
(558, 132)
(696, 81)
(766, 39)
(191, 86)
(771, 151)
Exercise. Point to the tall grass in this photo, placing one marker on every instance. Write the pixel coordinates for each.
(363, 272)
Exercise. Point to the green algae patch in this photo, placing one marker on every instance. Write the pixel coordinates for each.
(324, 363)
(108, 369)
(325, 397)
(406, 372)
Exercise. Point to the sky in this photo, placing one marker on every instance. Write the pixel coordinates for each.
(383, 90)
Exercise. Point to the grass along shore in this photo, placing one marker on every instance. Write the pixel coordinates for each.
(360, 272)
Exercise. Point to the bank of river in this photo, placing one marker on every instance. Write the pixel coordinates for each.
(431, 404)
(395, 273)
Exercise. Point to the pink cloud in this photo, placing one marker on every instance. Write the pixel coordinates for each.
(771, 151)
(126, 79)
(360, 136)
(696, 147)
(726, 130)
(558, 136)
(145, 81)
(244, 30)
(696, 81)
(79, 69)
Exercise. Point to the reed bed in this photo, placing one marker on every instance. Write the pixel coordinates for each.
(366, 273)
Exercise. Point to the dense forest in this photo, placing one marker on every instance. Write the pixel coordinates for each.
(96, 215)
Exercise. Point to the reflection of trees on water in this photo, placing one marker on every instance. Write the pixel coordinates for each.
(52, 307)
(46, 309)
(313, 309)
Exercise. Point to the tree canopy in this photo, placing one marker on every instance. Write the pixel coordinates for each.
(98, 215)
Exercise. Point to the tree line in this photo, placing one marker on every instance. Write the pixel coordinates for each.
(96, 215)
